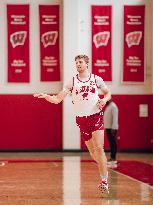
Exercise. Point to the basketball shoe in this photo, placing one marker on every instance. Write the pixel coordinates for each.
(112, 163)
(103, 188)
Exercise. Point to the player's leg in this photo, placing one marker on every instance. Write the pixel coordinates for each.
(99, 154)
(98, 145)
(86, 134)
(90, 147)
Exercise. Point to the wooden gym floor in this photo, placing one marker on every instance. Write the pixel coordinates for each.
(72, 179)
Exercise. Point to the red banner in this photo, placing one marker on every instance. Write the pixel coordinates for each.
(101, 41)
(133, 68)
(18, 43)
(49, 42)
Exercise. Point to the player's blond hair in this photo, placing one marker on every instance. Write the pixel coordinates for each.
(85, 57)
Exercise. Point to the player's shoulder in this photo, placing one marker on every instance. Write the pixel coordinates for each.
(75, 77)
(97, 76)
(98, 79)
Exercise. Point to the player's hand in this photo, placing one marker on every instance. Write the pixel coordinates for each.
(101, 103)
(40, 95)
(49, 98)
(44, 96)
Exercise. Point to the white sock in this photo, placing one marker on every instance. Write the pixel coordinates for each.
(105, 177)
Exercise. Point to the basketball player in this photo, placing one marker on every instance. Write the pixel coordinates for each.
(88, 106)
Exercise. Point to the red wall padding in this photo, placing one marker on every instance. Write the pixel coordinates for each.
(134, 132)
(29, 123)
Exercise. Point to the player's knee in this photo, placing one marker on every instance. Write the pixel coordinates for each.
(93, 156)
(99, 153)
(99, 150)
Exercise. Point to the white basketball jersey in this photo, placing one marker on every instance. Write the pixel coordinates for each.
(85, 96)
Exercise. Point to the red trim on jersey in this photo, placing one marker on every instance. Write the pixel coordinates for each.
(95, 81)
(72, 86)
(83, 81)
(73, 81)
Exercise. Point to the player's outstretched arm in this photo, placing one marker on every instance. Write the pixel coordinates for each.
(52, 98)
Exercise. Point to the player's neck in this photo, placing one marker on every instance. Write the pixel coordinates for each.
(84, 74)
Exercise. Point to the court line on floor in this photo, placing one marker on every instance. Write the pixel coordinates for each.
(132, 178)
(29, 160)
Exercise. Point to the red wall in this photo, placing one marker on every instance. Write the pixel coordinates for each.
(29, 123)
(134, 132)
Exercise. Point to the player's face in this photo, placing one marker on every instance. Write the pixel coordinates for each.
(81, 65)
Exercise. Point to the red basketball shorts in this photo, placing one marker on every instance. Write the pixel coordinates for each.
(89, 124)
